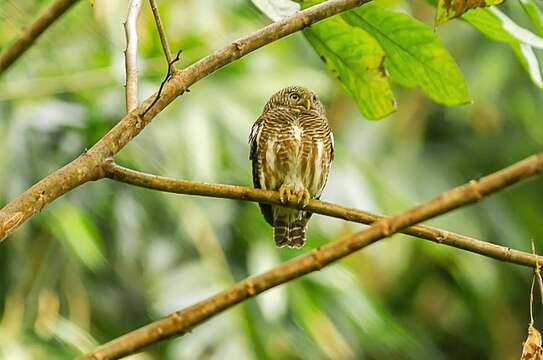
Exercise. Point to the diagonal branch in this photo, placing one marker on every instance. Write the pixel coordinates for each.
(88, 166)
(161, 32)
(131, 54)
(31, 34)
(182, 321)
(498, 252)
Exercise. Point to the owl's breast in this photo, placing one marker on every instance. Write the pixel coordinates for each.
(296, 133)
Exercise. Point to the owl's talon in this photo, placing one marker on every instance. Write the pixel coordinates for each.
(285, 194)
(303, 198)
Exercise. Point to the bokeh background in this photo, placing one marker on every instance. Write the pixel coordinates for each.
(108, 257)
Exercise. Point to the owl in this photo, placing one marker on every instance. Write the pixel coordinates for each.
(291, 149)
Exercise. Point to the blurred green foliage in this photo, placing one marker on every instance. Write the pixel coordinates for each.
(108, 257)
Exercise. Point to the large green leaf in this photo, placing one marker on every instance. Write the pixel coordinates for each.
(356, 59)
(497, 26)
(414, 54)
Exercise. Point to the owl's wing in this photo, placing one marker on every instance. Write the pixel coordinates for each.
(331, 145)
(253, 148)
(330, 155)
(307, 214)
(254, 138)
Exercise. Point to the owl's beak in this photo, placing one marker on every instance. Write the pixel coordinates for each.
(308, 104)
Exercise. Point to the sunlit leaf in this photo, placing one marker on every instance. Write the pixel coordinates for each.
(497, 26)
(449, 9)
(276, 9)
(356, 59)
(528, 59)
(518, 32)
(414, 54)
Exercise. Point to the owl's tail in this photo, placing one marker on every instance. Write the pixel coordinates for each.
(287, 233)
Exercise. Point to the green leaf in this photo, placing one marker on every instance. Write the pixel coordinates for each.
(414, 54)
(449, 9)
(497, 26)
(489, 24)
(356, 59)
(533, 12)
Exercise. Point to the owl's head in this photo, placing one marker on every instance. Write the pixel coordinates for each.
(295, 97)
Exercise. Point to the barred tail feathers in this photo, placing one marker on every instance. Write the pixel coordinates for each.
(291, 234)
(297, 233)
(281, 232)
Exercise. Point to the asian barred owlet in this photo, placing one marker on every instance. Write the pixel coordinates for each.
(291, 148)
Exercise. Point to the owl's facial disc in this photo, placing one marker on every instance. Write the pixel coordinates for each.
(296, 98)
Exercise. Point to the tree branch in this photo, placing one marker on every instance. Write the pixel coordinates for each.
(131, 54)
(181, 321)
(161, 32)
(31, 34)
(88, 166)
(449, 238)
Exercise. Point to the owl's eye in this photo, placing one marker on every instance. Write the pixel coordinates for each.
(315, 98)
(294, 96)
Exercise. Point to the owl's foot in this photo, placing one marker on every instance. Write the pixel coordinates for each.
(302, 198)
(285, 194)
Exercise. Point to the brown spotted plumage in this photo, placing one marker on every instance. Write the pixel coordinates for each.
(292, 148)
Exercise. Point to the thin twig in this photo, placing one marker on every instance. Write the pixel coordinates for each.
(89, 165)
(182, 321)
(161, 32)
(537, 275)
(131, 54)
(532, 301)
(33, 32)
(169, 74)
(439, 236)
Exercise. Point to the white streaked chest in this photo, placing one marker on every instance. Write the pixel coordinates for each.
(297, 133)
